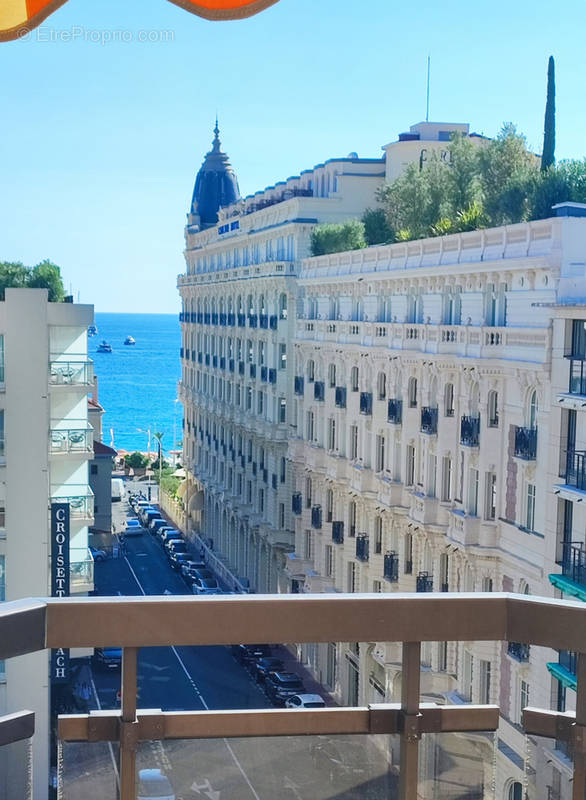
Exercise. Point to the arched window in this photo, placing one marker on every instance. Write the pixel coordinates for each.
(515, 791)
(332, 375)
(412, 393)
(354, 377)
(533, 409)
(283, 306)
(449, 400)
(381, 386)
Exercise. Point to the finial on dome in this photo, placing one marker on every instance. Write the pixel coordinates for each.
(216, 136)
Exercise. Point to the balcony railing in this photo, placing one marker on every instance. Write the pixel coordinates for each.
(470, 431)
(299, 385)
(424, 582)
(574, 562)
(272, 375)
(338, 532)
(78, 372)
(362, 547)
(142, 622)
(316, 517)
(263, 321)
(241, 320)
(76, 439)
(80, 498)
(526, 443)
(366, 403)
(395, 411)
(518, 651)
(577, 376)
(81, 570)
(264, 372)
(340, 397)
(391, 567)
(252, 320)
(576, 469)
(428, 420)
(319, 391)
(273, 322)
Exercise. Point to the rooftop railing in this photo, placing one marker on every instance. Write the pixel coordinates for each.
(131, 623)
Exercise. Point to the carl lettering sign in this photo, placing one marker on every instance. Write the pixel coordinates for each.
(60, 563)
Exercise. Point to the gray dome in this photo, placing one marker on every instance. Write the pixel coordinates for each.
(216, 185)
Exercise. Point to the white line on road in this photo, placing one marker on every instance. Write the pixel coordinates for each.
(111, 749)
(200, 696)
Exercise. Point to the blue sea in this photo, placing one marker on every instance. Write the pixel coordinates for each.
(138, 383)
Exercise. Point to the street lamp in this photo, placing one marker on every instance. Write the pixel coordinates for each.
(148, 470)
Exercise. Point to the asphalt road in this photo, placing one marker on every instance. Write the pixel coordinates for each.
(192, 678)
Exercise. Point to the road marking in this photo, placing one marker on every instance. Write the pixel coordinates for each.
(99, 705)
(207, 788)
(200, 696)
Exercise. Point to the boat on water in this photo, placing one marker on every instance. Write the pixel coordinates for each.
(129, 340)
(92, 330)
(104, 347)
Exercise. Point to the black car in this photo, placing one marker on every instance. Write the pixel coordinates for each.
(281, 685)
(247, 653)
(263, 666)
(108, 657)
(176, 560)
(201, 572)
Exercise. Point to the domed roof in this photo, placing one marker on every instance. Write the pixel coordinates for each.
(216, 184)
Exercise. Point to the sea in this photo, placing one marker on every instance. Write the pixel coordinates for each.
(137, 384)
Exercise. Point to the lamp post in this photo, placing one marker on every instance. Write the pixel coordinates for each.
(159, 437)
(148, 471)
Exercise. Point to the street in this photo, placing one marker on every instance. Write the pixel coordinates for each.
(197, 678)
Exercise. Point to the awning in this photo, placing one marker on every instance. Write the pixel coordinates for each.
(18, 17)
(568, 586)
(563, 675)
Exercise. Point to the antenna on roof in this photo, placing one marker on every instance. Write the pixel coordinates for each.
(428, 74)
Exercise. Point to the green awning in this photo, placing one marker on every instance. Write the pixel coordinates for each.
(564, 676)
(568, 586)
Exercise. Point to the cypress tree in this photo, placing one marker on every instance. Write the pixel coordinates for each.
(548, 156)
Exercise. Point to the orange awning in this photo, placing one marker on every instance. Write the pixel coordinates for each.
(18, 17)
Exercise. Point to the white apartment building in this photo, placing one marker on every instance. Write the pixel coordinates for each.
(45, 445)
(238, 319)
(439, 446)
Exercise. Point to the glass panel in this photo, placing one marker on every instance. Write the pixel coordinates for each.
(16, 771)
(88, 770)
(457, 765)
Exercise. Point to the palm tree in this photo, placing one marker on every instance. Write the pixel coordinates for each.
(159, 437)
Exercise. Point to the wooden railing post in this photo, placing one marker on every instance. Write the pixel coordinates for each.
(128, 724)
(410, 734)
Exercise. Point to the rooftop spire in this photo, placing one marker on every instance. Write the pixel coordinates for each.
(216, 184)
(216, 144)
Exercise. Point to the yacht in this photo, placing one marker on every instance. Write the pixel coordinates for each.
(92, 330)
(104, 347)
(129, 340)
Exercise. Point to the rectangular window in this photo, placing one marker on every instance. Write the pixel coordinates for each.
(351, 576)
(378, 535)
(353, 441)
(281, 515)
(308, 493)
(523, 697)
(490, 502)
(282, 356)
(530, 507)
(410, 466)
(329, 560)
(377, 587)
(484, 697)
(309, 426)
(331, 434)
(431, 476)
(2, 599)
(380, 453)
(467, 675)
(307, 545)
(331, 664)
(473, 492)
(282, 410)
(446, 479)
(442, 656)
(261, 402)
(93, 469)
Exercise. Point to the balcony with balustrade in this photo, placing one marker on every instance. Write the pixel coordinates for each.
(362, 547)
(429, 418)
(470, 431)
(395, 411)
(575, 475)
(130, 623)
(572, 579)
(338, 532)
(391, 567)
(71, 437)
(525, 443)
(75, 371)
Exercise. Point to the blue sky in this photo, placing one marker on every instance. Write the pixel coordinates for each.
(101, 140)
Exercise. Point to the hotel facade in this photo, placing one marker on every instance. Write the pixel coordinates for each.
(404, 418)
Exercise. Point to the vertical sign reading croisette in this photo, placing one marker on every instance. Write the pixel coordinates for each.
(60, 562)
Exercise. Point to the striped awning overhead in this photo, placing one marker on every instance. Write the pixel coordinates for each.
(18, 17)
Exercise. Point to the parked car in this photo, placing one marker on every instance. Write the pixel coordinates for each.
(170, 534)
(154, 785)
(98, 555)
(160, 532)
(202, 572)
(108, 657)
(246, 653)
(151, 515)
(192, 565)
(205, 586)
(305, 701)
(134, 530)
(176, 546)
(281, 685)
(263, 666)
(176, 560)
(155, 524)
(132, 521)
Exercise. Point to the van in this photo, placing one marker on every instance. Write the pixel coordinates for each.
(154, 785)
(117, 489)
(149, 516)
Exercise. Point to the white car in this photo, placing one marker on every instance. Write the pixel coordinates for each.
(305, 701)
(153, 785)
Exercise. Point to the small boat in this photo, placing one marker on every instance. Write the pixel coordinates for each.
(92, 330)
(129, 340)
(104, 347)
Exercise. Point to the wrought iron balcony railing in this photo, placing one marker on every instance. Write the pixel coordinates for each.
(424, 582)
(340, 396)
(518, 651)
(395, 411)
(526, 443)
(362, 547)
(319, 391)
(429, 420)
(263, 321)
(366, 403)
(338, 532)
(391, 567)
(273, 322)
(576, 469)
(131, 623)
(470, 431)
(316, 517)
(296, 503)
(298, 385)
(574, 562)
